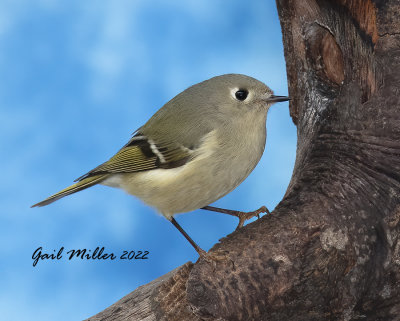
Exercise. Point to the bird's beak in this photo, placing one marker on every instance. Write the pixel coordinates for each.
(275, 99)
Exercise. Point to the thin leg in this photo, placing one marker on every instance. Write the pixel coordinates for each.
(201, 252)
(243, 216)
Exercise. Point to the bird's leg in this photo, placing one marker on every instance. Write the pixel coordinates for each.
(201, 252)
(214, 257)
(243, 216)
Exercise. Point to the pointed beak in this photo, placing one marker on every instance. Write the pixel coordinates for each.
(275, 99)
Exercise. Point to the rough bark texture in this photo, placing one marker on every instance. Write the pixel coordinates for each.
(331, 249)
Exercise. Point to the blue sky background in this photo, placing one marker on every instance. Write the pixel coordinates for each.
(76, 79)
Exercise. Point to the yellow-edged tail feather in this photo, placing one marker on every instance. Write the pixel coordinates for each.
(84, 183)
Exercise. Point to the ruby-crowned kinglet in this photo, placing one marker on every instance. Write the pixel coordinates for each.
(197, 148)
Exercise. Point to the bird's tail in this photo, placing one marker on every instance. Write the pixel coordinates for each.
(84, 183)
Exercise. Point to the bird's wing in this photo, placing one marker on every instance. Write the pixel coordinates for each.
(142, 153)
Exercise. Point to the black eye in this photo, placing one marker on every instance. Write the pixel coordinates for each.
(241, 94)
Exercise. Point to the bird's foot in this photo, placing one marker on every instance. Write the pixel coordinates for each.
(216, 257)
(244, 216)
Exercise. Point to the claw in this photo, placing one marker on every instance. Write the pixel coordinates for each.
(216, 257)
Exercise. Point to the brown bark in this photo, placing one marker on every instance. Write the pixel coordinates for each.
(331, 248)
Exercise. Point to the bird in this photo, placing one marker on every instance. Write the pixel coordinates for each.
(194, 150)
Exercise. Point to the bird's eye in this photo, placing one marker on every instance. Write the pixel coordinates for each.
(241, 94)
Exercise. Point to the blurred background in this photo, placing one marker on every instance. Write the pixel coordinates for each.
(76, 79)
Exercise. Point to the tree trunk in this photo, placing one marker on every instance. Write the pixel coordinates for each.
(331, 248)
